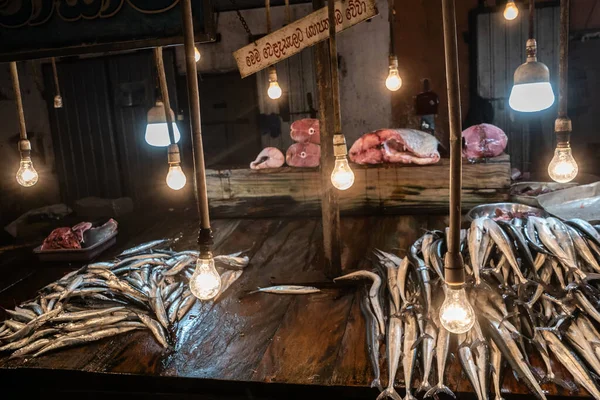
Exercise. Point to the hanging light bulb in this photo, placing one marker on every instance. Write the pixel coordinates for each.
(532, 90)
(342, 176)
(563, 167)
(274, 90)
(456, 313)
(511, 11)
(197, 54)
(176, 179)
(27, 176)
(393, 81)
(205, 283)
(157, 132)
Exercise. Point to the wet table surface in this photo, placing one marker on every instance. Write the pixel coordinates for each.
(303, 340)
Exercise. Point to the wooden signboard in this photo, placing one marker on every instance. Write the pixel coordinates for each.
(300, 34)
(43, 28)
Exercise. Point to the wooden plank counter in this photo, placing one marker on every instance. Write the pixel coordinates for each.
(381, 189)
(315, 341)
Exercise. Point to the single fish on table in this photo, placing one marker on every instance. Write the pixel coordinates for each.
(409, 352)
(441, 355)
(146, 246)
(233, 262)
(496, 364)
(373, 294)
(287, 289)
(467, 360)
(372, 339)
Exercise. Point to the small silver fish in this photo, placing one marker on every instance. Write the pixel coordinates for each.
(287, 289)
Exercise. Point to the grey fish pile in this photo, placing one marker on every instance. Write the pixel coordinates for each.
(534, 285)
(145, 287)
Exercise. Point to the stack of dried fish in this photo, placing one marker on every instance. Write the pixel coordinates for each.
(145, 287)
(534, 284)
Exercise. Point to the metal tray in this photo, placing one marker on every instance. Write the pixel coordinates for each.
(85, 254)
(533, 200)
(486, 210)
(577, 202)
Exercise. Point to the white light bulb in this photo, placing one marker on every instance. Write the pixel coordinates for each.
(342, 176)
(531, 97)
(393, 81)
(175, 177)
(27, 175)
(196, 54)
(158, 134)
(563, 167)
(511, 11)
(456, 314)
(205, 283)
(274, 90)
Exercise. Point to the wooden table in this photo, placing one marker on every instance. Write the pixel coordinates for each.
(236, 345)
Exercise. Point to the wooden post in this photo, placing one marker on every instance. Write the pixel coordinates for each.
(205, 236)
(330, 209)
(454, 269)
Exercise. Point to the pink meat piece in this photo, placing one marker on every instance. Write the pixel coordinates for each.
(408, 146)
(306, 130)
(62, 238)
(303, 155)
(80, 228)
(484, 140)
(269, 157)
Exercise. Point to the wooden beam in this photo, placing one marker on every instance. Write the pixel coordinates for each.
(330, 210)
(385, 189)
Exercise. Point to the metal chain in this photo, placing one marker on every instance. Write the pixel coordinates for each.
(241, 18)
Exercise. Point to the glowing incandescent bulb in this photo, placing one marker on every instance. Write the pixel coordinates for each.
(563, 167)
(456, 314)
(27, 175)
(274, 92)
(393, 81)
(196, 54)
(342, 176)
(511, 11)
(176, 179)
(205, 283)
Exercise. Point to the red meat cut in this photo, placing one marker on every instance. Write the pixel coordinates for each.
(306, 130)
(484, 140)
(407, 146)
(269, 157)
(303, 155)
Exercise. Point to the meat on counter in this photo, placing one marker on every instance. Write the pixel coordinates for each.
(483, 140)
(407, 146)
(269, 157)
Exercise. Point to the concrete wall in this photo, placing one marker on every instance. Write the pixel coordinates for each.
(365, 102)
(13, 198)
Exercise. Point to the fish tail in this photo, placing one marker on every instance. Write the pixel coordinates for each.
(253, 291)
(377, 384)
(389, 393)
(569, 386)
(409, 396)
(425, 387)
(440, 388)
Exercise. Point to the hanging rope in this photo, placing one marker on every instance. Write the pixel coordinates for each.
(14, 73)
(392, 12)
(288, 15)
(531, 18)
(268, 11)
(162, 80)
(563, 66)
(55, 72)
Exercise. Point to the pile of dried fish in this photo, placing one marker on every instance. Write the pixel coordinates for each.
(145, 287)
(534, 284)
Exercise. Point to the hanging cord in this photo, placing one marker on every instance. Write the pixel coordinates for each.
(335, 82)
(391, 20)
(268, 11)
(531, 18)
(288, 15)
(563, 66)
(162, 80)
(242, 20)
(55, 72)
(14, 73)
